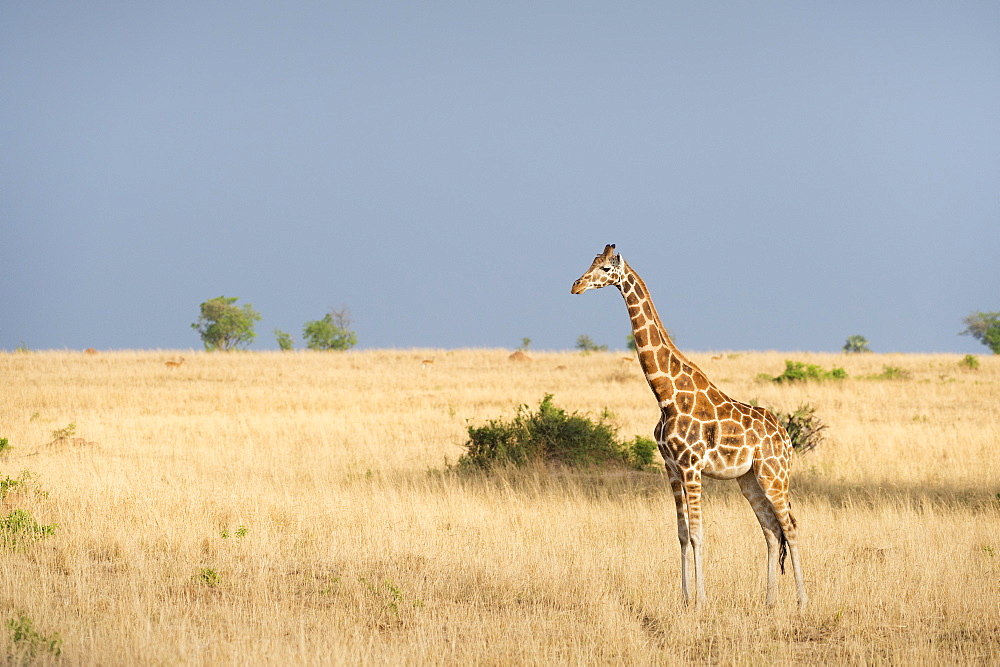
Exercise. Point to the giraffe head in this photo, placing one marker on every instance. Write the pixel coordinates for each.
(607, 269)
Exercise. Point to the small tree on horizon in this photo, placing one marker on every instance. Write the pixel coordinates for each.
(984, 327)
(330, 333)
(584, 343)
(224, 326)
(285, 342)
(856, 344)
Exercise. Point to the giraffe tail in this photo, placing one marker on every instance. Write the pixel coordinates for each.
(782, 551)
(783, 545)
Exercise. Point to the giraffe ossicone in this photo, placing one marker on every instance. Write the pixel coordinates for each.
(703, 432)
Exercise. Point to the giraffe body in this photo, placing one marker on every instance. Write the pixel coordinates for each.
(703, 432)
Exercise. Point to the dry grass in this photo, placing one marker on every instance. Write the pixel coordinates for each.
(293, 509)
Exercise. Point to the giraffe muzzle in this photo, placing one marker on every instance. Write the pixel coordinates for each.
(579, 287)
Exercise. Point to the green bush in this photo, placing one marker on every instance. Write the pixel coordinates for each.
(805, 429)
(551, 435)
(8, 483)
(28, 642)
(969, 361)
(640, 452)
(19, 527)
(25, 484)
(798, 371)
(61, 435)
(892, 373)
(207, 577)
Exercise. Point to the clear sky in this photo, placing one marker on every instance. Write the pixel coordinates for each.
(783, 174)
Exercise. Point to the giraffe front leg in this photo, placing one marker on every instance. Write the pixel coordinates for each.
(683, 535)
(692, 493)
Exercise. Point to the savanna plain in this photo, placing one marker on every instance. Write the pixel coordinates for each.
(303, 508)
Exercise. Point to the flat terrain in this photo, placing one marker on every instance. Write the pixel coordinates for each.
(297, 508)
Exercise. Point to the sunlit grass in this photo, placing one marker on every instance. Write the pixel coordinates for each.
(296, 508)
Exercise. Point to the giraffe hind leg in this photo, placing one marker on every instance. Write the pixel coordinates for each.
(776, 492)
(773, 534)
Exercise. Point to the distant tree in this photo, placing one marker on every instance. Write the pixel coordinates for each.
(333, 332)
(856, 344)
(284, 339)
(224, 326)
(585, 344)
(984, 327)
(525, 344)
(630, 342)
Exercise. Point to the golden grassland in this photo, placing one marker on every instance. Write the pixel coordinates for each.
(296, 508)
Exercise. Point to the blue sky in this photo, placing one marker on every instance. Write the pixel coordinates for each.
(782, 174)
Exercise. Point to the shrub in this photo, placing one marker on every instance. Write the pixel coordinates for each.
(241, 531)
(8, 483)
(19, 527)
(892, 373)
(207, 577)
(805, 429)
(24, 484)
(28, 641)
(798, 371)
(640, 452)
(551, 435)
(63, 434)
(970, 361)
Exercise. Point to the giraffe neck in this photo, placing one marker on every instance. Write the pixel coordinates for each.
(661, 361)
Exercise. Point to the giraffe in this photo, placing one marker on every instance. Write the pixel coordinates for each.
(703, 432)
